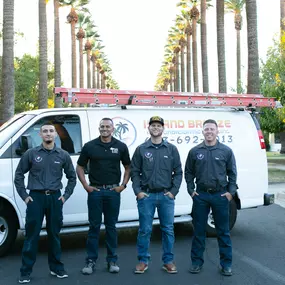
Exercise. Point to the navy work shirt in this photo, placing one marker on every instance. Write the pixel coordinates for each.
(45, 171)
(156, 167)
(212, 167)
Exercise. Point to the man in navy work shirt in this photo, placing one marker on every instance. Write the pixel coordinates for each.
(45, 164)
(212, 164)
(156, 174)
(104, 155)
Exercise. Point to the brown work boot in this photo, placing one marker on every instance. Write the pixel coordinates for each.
(170, 268)
(141, 268)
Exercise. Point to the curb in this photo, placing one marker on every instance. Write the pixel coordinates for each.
(280, 196)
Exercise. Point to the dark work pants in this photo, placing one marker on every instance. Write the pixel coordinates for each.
(51, 207)
(106, 202)
(220, 209)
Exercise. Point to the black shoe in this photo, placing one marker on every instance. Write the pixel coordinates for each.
(226, 271)
(59, 273)
(195, 269)
(24, 278)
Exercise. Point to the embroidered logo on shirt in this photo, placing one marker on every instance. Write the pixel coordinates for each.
(38, 159)
(148, 154)
(165, 156)
(58, 162)
(200, 156)
(114, 150)
(217, 158)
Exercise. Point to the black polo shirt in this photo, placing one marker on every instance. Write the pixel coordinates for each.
(104, 160)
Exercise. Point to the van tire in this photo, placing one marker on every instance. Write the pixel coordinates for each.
(8, 230)
(211, 230)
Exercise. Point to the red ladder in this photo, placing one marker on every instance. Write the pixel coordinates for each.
(161, 98)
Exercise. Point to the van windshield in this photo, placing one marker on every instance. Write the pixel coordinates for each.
(11, 127)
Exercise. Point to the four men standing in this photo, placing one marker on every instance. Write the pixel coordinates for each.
(156, 173)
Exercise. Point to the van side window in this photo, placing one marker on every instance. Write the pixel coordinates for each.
(68, 134)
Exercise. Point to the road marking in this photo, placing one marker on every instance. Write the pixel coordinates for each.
(263, 269)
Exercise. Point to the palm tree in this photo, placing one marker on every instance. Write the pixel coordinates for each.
(43, 69)
(83, 20)
(57, 61)
(253, 81)
(188, 32)
(282, 16)
(204, 53)
(8, 85)
(236, 7)
(194, 12)
(221, 47)
(72, 18)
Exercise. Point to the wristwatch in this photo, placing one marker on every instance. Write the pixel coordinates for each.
(125, 186)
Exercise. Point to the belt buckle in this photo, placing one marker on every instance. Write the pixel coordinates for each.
(210, 190)
(47, 192)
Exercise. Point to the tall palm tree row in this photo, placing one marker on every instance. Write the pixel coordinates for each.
(8, 85)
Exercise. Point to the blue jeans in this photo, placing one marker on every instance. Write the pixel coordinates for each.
(165, 210)
(220, 209)
(105, 202)
(41, 206)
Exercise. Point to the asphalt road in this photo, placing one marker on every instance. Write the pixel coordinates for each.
(258, 256)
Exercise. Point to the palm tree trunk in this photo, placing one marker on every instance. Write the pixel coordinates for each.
(238, 63)
(221, 47)
(282, 15)
(88, 69)
(43, 80)
(57, 63)
(81, 72)
(8, 84)
(188, 65)
(73, 56)
(182, 59)
(177, 73)
(94, 74)
(204, 52)
(253, 81)
(195, 55)
(98, 78)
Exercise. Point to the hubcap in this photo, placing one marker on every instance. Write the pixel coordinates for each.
(3, 230)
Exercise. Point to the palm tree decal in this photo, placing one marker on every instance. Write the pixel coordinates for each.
(120, 129)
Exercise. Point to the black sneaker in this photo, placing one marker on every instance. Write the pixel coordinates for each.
(59, 273)
(24, 278)
(89, 267)
(226, 271)
(195, 269)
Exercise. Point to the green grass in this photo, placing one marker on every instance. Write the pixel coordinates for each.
(276, 175)
(276, 157)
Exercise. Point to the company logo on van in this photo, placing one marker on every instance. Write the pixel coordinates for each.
(125, 131)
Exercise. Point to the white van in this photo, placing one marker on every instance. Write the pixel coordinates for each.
(238, 129)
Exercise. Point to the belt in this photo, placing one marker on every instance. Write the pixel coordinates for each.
(156, 190)
(46, 192)
(209, 190)
(106, 186)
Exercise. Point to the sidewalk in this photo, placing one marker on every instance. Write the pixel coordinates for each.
(277, 188)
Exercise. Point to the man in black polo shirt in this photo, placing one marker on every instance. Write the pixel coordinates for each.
(45, 164)
(104, 155)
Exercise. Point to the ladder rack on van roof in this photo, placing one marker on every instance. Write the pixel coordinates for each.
(162, 98)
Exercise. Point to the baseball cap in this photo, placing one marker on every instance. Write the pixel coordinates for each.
(156, 119)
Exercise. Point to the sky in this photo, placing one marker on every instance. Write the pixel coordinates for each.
(134, 33)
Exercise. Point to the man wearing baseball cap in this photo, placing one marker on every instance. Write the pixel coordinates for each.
(156, 175)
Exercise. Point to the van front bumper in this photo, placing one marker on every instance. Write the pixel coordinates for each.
(268, 199)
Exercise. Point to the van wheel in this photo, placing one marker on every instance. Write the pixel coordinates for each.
(211, 229)
(8, 230)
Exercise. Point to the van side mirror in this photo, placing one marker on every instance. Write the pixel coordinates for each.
(26, 143)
